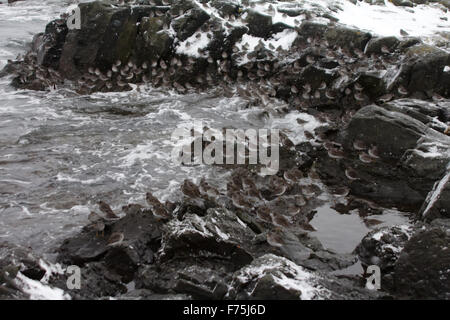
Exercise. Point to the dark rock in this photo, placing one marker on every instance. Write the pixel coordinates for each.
(21, 271)
(272, 277)
(152, 42)
(403, 3)
(217, 234)
(393, 132)
(347, 38)
(409, 148)
(373, 82)
(97, 281)
(142, 240)
(421, 271)
(336, 35)
(81, 46)
(14, 256)
(226, 8)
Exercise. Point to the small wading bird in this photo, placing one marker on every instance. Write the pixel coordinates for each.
(115, 239)
(97, 223)
(275, 238)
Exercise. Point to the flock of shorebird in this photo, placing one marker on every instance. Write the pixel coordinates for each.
(257, 73)
(277, 201)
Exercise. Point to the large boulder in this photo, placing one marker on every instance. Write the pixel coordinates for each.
(410, 147)
(273, 277)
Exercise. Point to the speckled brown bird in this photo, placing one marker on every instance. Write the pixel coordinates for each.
(106, 209)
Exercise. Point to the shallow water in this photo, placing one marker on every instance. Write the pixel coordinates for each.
(343, 232)
(60, 152)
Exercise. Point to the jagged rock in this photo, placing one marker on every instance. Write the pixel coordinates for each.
(81, 46)
(152, 41)
(96, 281)
(337, 35)
(408, 146)
(272, 277)
(219, 234)
(199, 279)
(375, 44)
(373, 82)
(49, 44)
(437, 204)
(226, 8)
(383, 246)
(142, 239)
(23, 275)
(392, 131)
(14, 257)
(423, 70)
(424, 263)
(197, 254)
(347, 38)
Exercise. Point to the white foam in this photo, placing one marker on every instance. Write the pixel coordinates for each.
(195, 44)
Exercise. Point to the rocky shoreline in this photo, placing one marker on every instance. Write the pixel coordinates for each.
(384, 141)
